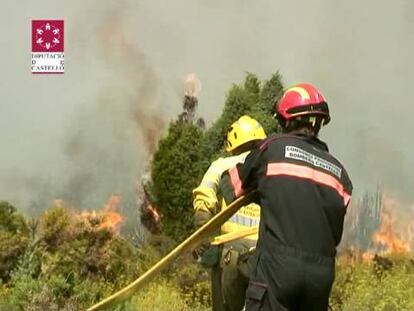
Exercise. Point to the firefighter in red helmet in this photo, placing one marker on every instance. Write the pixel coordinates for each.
(303, 191)
(302, 104)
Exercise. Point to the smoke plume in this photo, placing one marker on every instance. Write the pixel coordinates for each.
(85, 135)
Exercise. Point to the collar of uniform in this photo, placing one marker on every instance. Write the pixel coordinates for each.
(313, 140)
(310, 139)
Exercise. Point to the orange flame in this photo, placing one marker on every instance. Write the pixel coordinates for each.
(108, 218)
(394, 235)
(388, 237)
(111, 218)
(390, 234)
(367, 256)
(154, 213)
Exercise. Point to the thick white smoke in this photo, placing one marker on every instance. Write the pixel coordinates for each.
(86, 134)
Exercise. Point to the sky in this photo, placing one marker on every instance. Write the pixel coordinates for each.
(88, 133)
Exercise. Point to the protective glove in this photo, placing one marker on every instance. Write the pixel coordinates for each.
(207, 255)
(200, 250)
(201, 217)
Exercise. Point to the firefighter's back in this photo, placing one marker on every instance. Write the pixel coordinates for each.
(303, 193)
(306, 190)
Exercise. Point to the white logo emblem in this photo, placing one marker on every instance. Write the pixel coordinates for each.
(48, 36)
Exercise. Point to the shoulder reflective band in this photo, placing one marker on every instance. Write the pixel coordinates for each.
(236, 181)
(300, 171)
(209, 184)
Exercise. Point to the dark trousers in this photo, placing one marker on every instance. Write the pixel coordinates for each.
(290, 280)
(216, 289)
(230, 279)
(234, 283)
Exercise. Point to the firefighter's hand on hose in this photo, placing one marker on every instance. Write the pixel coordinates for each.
(200, 250)
(202, 216)
(207, 255)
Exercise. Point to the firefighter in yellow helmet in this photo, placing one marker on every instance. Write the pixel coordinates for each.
(229, 274)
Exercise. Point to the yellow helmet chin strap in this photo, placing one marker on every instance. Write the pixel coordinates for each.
(312, 120)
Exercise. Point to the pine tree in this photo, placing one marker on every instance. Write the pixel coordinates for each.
(250, 98)
(270, 92)
(175, 171)
(186, 152)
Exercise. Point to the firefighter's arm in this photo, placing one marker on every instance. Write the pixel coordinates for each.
(205, 200)
(241, 178)
(205, 205)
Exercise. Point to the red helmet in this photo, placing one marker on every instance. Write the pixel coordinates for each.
(301, 100)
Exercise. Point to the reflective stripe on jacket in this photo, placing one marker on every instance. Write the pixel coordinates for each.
(248, 216)
(303, 192)
(205, 197)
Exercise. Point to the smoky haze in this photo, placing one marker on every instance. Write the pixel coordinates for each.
(88, 133)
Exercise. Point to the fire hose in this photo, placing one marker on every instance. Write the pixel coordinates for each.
(192, 241)
(232, 236)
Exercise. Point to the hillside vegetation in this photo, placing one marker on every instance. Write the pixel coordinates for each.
(68, 260)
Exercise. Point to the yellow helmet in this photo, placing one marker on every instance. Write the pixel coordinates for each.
(244, 130)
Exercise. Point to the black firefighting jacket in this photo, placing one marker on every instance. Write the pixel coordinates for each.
(303, 191)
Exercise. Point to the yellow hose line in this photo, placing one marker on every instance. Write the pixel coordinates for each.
(229, 237)
(192, 241)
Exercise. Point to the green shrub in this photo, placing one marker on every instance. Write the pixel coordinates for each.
(369, 287)
(162, 295)
(14, 239)
(74, 245)
(193, 282)
(71, 264)
(56, 293)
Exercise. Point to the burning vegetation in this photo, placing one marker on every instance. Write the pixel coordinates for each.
(147, 204)
(147, 200)
(108, 218)
(375, 267)
(65, 258)
(388, 240)
(378, 225)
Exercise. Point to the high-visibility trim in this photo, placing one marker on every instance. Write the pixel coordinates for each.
(230, 227)
(300, 171)
(236, 181)
(244, 220)
(209, 184)
(347, 198)
(302, 92)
